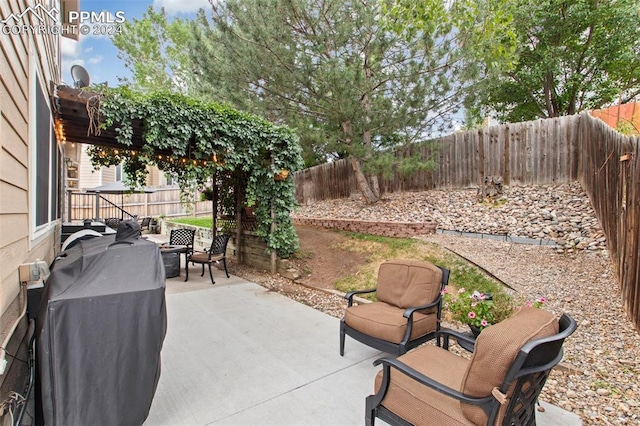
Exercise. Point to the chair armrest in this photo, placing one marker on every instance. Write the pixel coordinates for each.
(484, 403)
(408, 313)
(349, 295)
(466, 340)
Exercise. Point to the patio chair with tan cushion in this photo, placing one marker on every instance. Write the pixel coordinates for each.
(216, 253)
(407, 311)
(499, 385)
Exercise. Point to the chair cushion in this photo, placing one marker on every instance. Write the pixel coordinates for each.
(384, 321)
(419, 404)
(406, 283)
(204, 257)
(496, 349)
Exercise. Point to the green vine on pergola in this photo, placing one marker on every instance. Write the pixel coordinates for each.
(195, 140)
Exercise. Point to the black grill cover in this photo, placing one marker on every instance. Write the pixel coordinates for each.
(100, 331)
(128, 229)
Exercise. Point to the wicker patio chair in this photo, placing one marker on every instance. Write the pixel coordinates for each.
(112, 222)
(183, 237)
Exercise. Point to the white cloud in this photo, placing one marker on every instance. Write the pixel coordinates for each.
(76, 62)
(71, 51)
(181, 6)
(69, 48)
(96, 59)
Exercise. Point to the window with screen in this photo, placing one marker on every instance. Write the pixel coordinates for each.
(47, 205)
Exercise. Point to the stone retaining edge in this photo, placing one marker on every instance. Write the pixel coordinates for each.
(385, 229)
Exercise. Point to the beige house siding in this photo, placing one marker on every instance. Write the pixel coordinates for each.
(22, 58)
(156, 177)
(90, 178)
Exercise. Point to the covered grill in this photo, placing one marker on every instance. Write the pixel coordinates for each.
(100, 330)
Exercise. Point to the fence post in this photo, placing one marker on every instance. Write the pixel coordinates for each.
(481, 161)
(96, 207)
(506, 174)
(69, 204)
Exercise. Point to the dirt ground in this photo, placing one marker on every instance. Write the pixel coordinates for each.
(321, 260)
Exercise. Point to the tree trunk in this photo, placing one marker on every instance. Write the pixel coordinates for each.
(366, 134)
(361, 181)
(375, 185)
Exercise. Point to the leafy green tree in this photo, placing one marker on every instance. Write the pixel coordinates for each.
(155, 50)
(333, 70)
(355, 79)
(573, 55)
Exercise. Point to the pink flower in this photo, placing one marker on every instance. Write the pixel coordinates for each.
(444, 291)
(484, 322)
(462, 290)
(527, 304)
(472, 315)
(541, 300)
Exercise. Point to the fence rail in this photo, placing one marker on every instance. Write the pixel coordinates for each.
(164, 201)
(560, 150)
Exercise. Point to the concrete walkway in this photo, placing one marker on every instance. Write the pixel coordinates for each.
(237, 354)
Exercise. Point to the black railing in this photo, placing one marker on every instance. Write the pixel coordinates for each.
(94, 206)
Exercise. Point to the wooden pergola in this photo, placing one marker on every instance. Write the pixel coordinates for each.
(75, 113)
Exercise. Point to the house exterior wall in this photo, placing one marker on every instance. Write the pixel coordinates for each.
(90, 178)
(29, 229)
(623, 117)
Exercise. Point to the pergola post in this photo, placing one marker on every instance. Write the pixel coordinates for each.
(214, 209)
(274, 256)
(238, 223)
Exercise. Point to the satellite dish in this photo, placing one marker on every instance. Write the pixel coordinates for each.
(80, 76)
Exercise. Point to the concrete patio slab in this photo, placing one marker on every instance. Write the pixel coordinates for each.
(238, 354)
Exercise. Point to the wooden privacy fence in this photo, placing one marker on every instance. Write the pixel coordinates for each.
(610, 174)
(534, 152)
(546, 151)
(163, 201)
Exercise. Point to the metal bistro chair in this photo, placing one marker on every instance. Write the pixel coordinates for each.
(183, 237)
(146, 221)
(216, 253)
(112, 222)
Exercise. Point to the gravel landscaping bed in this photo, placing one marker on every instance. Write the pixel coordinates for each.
(598, 378)
(558, 213)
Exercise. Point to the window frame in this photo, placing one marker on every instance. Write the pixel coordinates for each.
(54, 155)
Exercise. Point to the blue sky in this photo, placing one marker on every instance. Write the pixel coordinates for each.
(97, 54)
